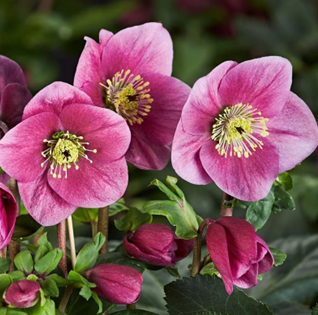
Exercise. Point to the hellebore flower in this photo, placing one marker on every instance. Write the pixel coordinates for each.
(237, 252)
(129, 73)
(157, 244)
(241, 127)
(66, 154)
(115, 283)
(14, 95)
(8, 215)
(23, 293)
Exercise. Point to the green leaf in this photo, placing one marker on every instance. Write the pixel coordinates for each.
(134, 312)
(10, 311)
(98, 302)
(206, 295)
(86, 215)
(88, 255)
(86, 292)
(117, 207)
(25, 228)
(60, 281)
(285, 180)
(44, 248)
(283, 200)
(132, 220)
(177, 210)
(5, 281)
(279, 256)
(49, 262)
(49, 287)
(258, 212)
(46, 309)
(17, 275)
(24, 261)
(209, 269)
(4, 265)
(173, 271)
(79, 281)
(121, 259)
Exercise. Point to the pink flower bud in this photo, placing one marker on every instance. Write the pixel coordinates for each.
(115, 283)
(237, 252)
(8, 214)
(157, 244)
(23, 294)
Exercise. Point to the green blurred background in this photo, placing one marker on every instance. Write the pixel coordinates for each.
(46, 39)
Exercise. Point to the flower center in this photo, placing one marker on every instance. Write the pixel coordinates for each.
(235, 130)
(129, 96)
(63, 151)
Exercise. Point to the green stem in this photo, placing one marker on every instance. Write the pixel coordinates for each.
(103, 217)
(65, 298)
(131, 306)
(224, 210)
(94, 225)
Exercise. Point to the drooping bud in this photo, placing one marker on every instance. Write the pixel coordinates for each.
(157, 244)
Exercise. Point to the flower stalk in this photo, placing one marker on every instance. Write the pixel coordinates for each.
(61, 242)
(72, 240)
(225, 211)
(103, 222)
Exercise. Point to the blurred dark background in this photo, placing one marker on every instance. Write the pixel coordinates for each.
(46, 38)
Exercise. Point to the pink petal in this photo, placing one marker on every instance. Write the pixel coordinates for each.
(14, 97)
(218, 249)
(141, 49)
(10, 72)
(170, 95)
(248, 179)
(4, 178)
(293, 132)
(249, 279)
(21, 147)
(241, 244)
(265, 258)
(43, 203)
(204, 104)
(54, 98)
(146, 155)
(186, 159)
(263, 83)
(104, 37)
(103, 129)
(93, 185)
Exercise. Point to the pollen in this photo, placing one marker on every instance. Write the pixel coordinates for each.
(128, 95)
(237, 130)
(63, 151)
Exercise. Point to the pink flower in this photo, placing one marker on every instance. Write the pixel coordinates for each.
(237, 252)
(241, 127)
(23, 293)
(157, 244)
(14, 95)
(115, 283)
(129, 73)
(66, 154)
(8, 215)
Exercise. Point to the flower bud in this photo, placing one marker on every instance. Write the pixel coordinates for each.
(8, 214)
(115, 283)
(157, 244)
(237, 252)
(23, 294)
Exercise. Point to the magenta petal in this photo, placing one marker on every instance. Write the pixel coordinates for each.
(293, 132)
(218, 249)
(104, 37)
(241, 244)
(21, 147)
(43, 204)
(249, 279)
(204, 104)
(4, 178)
(185, 247)
(144, 48)
(54, 98)
(14, 97)
(248, 179)
(265, 258)
(186, 159)
(93, 185)
(263, 83)
(103, 129)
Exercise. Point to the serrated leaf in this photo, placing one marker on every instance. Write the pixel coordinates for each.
(25, 228)
(121, 259)
(49, 287)
(206, 295)
(48, 262)
(285, 180)
(177, 210)
(4, 265)
(79, 281)
(86, 292)
(279, 256)
(258, 212)
(132, 220)
(24, 261)
(88, 255)
(209, 269)
(134, 312)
